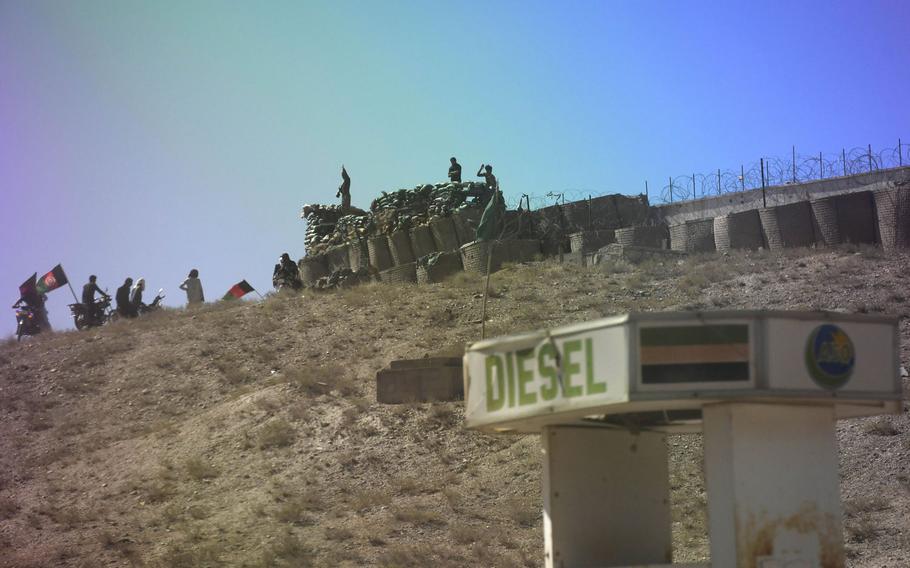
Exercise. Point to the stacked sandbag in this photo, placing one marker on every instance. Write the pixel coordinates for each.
(444, 235)
(476, 255)
(892, 206)
(856, 217)
(422, 242)
(400, 246)
(437, 267)
(589, 241)
(652, 236)
(740, 230)
(401, 274)
(700, 235)
(312, 268)
(789, 225)
(379, 253)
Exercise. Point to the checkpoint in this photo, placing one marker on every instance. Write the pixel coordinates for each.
(764, 388)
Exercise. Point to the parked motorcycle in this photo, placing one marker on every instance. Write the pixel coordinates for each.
(281, 280)
(27, 322)
(155, 305)
(83, 317)
(144, 309)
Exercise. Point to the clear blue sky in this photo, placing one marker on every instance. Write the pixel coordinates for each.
(148, 138)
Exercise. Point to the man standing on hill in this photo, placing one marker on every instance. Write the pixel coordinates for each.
(344, 190)
(454, 171)
(88, 298)
(124, 306)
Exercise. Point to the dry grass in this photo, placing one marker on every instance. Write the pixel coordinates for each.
(278, 433)
(198, 469)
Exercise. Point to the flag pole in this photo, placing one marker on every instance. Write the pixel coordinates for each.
(73, 292)
(486, 291)
(258, 294)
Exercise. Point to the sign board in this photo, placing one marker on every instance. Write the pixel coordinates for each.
(662, 368)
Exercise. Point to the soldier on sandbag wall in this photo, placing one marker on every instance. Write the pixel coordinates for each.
(454, 171)
(344, 190)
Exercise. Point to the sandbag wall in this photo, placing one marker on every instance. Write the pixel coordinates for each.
(786, 226)
(738, 231)
(892, 206)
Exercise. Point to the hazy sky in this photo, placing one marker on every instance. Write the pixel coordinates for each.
(148, 138)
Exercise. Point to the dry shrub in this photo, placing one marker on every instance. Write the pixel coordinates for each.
(8, 508)
(197, 469)
(417, 515)
(466, 534)
(288, 551)
(338, 533)
(278, 433)
(317, 380)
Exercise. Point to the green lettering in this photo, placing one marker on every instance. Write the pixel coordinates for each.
(525, 376)
(593, 388)
(510, 377)
(569, 368)
(548, 391)
(496, 396)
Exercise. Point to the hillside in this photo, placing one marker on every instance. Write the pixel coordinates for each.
(247, 434)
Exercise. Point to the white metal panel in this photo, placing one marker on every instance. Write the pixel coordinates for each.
(546, 374)
(771, 473)
(874, 370)
(606, 498)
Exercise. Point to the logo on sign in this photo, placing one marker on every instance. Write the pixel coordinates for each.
(830, 356)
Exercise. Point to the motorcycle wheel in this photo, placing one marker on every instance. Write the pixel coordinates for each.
(79, 321)
(19, 332)
(114, 316)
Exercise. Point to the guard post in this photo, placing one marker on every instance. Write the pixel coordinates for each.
(765, 388)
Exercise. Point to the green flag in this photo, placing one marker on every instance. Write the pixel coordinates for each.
(490, 225)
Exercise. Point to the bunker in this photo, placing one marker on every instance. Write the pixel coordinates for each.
(765, 389)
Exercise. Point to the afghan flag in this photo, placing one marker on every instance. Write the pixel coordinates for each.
(52, 280)
(238, 290)
(29, 286)
(694, 354)
(490, 225)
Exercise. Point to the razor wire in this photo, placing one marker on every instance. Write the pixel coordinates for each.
(767, 172)
(775, 171)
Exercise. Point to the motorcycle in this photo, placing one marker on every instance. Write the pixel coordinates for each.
(281, 279)
(143, 309)
(84, 318)
(154, 306)
(27, 322)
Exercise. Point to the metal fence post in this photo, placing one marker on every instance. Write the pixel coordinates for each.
(718, 181)
(671, 189)
(794, 164)
(900, 154)
(843, 156)
(764, 198)
(821, 166)
(646, 191)
(694, 193)
(870, 157)
(742, 176)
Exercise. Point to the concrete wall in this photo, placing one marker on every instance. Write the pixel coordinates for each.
(676, 213)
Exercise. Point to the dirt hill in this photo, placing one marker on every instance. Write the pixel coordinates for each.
(247, 434)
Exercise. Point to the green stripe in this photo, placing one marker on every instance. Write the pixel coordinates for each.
(694, 335)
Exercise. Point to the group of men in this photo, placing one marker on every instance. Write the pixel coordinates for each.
(481, 194)
(128, 298)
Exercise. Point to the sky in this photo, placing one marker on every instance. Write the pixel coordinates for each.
(149, 138)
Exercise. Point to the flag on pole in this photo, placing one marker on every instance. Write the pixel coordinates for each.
(29, 286)
(490, 225)
(238, 290)
(52, 280)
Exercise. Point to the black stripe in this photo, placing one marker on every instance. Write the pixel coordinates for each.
(694, 373)
(694, 335)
